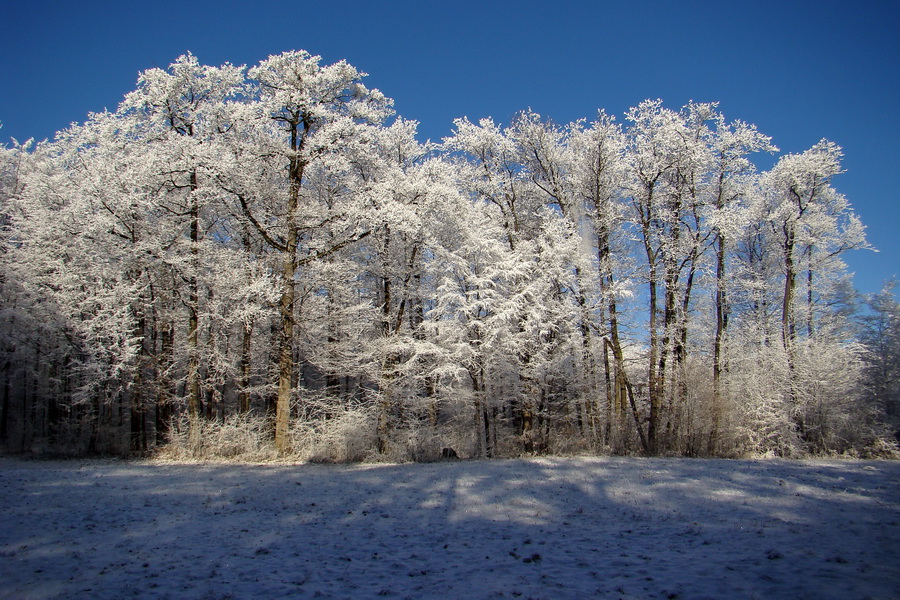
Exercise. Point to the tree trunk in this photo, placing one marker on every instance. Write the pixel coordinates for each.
(286, 306)
(788, 333)
(787, 326)
(193, 383)
(652, 377)
(718, 359)
(246, 363)
(809, 293)
(588, 389)
(286, 343)
(138, 421)
(163, 393)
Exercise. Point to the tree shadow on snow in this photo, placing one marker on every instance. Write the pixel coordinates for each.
(541, 528)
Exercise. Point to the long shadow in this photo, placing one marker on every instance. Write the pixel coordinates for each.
(542, 528)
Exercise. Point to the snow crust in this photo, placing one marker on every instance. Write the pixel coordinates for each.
(543, 528)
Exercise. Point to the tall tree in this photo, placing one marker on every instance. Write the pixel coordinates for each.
(303, 119)
(178, 113)
(806, 215)
(662, 156)
(600, 173)
(731, 176)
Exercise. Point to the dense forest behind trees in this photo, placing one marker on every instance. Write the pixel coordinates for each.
(267, 261)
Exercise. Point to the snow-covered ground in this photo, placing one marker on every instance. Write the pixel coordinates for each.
(545, 528)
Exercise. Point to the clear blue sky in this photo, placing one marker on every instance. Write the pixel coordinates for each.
(799, 70)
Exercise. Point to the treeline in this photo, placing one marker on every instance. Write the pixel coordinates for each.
(266, 260)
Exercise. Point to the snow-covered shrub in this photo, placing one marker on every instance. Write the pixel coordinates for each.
(347, 434)
(879, 448)
(810, 404)
(423, 444)
(239, 436)
(759, 392)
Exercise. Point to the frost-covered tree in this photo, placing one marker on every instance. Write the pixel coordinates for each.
(520, 174)
(810, 225)
(599, 175)
(880, 326)
(796, 227)
(667, 162)
(86, 241)
(731, 179)
(177, 114)
(289, 152)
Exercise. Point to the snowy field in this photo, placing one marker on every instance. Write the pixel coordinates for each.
(544, 528)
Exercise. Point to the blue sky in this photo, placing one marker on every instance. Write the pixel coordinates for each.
(799, 70)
